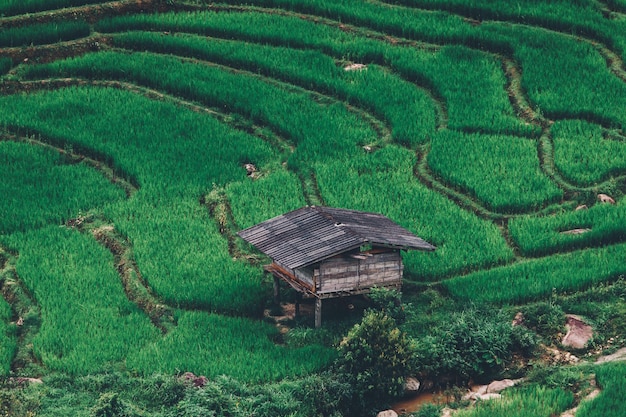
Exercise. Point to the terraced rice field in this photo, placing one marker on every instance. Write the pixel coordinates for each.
(494, 131)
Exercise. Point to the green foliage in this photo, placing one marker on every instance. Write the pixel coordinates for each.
(570, 379)
(213, 345)
(389, 302)
(5, 65)
(447, 104)
(16, 7)
(42, 34)
(536, 236)
(87, 321)
(374, 357)
(612, 379)
(110, 405)
(586, 153)
(8, 341)
(16, 401)
(509, 180)
(46, 188)
(471, 344)
(546, 318)
(536, 279)
(533, 401)
(428, 410)
(405, 107)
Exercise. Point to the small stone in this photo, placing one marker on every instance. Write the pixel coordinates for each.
(355, 67)
(518, 320)
(387, 413)
(411, 385)
(497, 386)
(490, 396)
(581, 207)
(250, 169)
(605, 199)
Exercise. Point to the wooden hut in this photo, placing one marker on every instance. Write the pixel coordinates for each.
(327, 252)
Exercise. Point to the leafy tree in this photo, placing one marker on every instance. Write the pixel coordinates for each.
(374, 357)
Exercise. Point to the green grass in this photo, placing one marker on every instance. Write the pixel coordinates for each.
(538, 278)
(501, 171)
(538, 236)
(87, 321)
(612, 381)
(8, 341)
(45, 188)
(267, 87)
(534, 401)
(212, 345)
(17, 7)
(586, 154)
(42, 34)
(472, 87)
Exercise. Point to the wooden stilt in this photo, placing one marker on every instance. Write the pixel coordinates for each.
(276, 290)
(298, 298)
(318, 312)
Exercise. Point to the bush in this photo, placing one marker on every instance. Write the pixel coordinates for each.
(374, 357)
(388, 301)
(472, 344)
(546, 318)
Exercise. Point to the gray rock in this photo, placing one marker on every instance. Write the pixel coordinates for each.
(387, 413)
(411, 385)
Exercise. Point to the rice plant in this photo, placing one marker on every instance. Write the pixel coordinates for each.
(8, 341)
(213, 345)
(612, 380)
(87, 321)
(45, 188)
(533, 401)
(16, 7)
(586, 154)
(538, 278)
(501, 171)
(602, 224)
(44, 33)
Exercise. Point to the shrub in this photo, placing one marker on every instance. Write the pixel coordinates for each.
(546, 318)
(472, 344)
(374, 357)
(388, 301)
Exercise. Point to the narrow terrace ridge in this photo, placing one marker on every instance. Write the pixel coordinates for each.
(135, 287)
(349, 28)
(26, 312)
(99, 164)
(263, 132)
(379, 126)
(89, 12)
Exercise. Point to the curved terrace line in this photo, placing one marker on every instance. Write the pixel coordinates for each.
(91, 12)
(380, 127)
(99, 165)
(598, 44)
(22, 304)
(512, 73)
(464, 200)
(135, 286)
(504, 64)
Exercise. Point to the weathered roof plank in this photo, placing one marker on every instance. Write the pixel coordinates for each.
(310, 234)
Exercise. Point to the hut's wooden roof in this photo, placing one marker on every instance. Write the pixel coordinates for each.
(308, 235)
